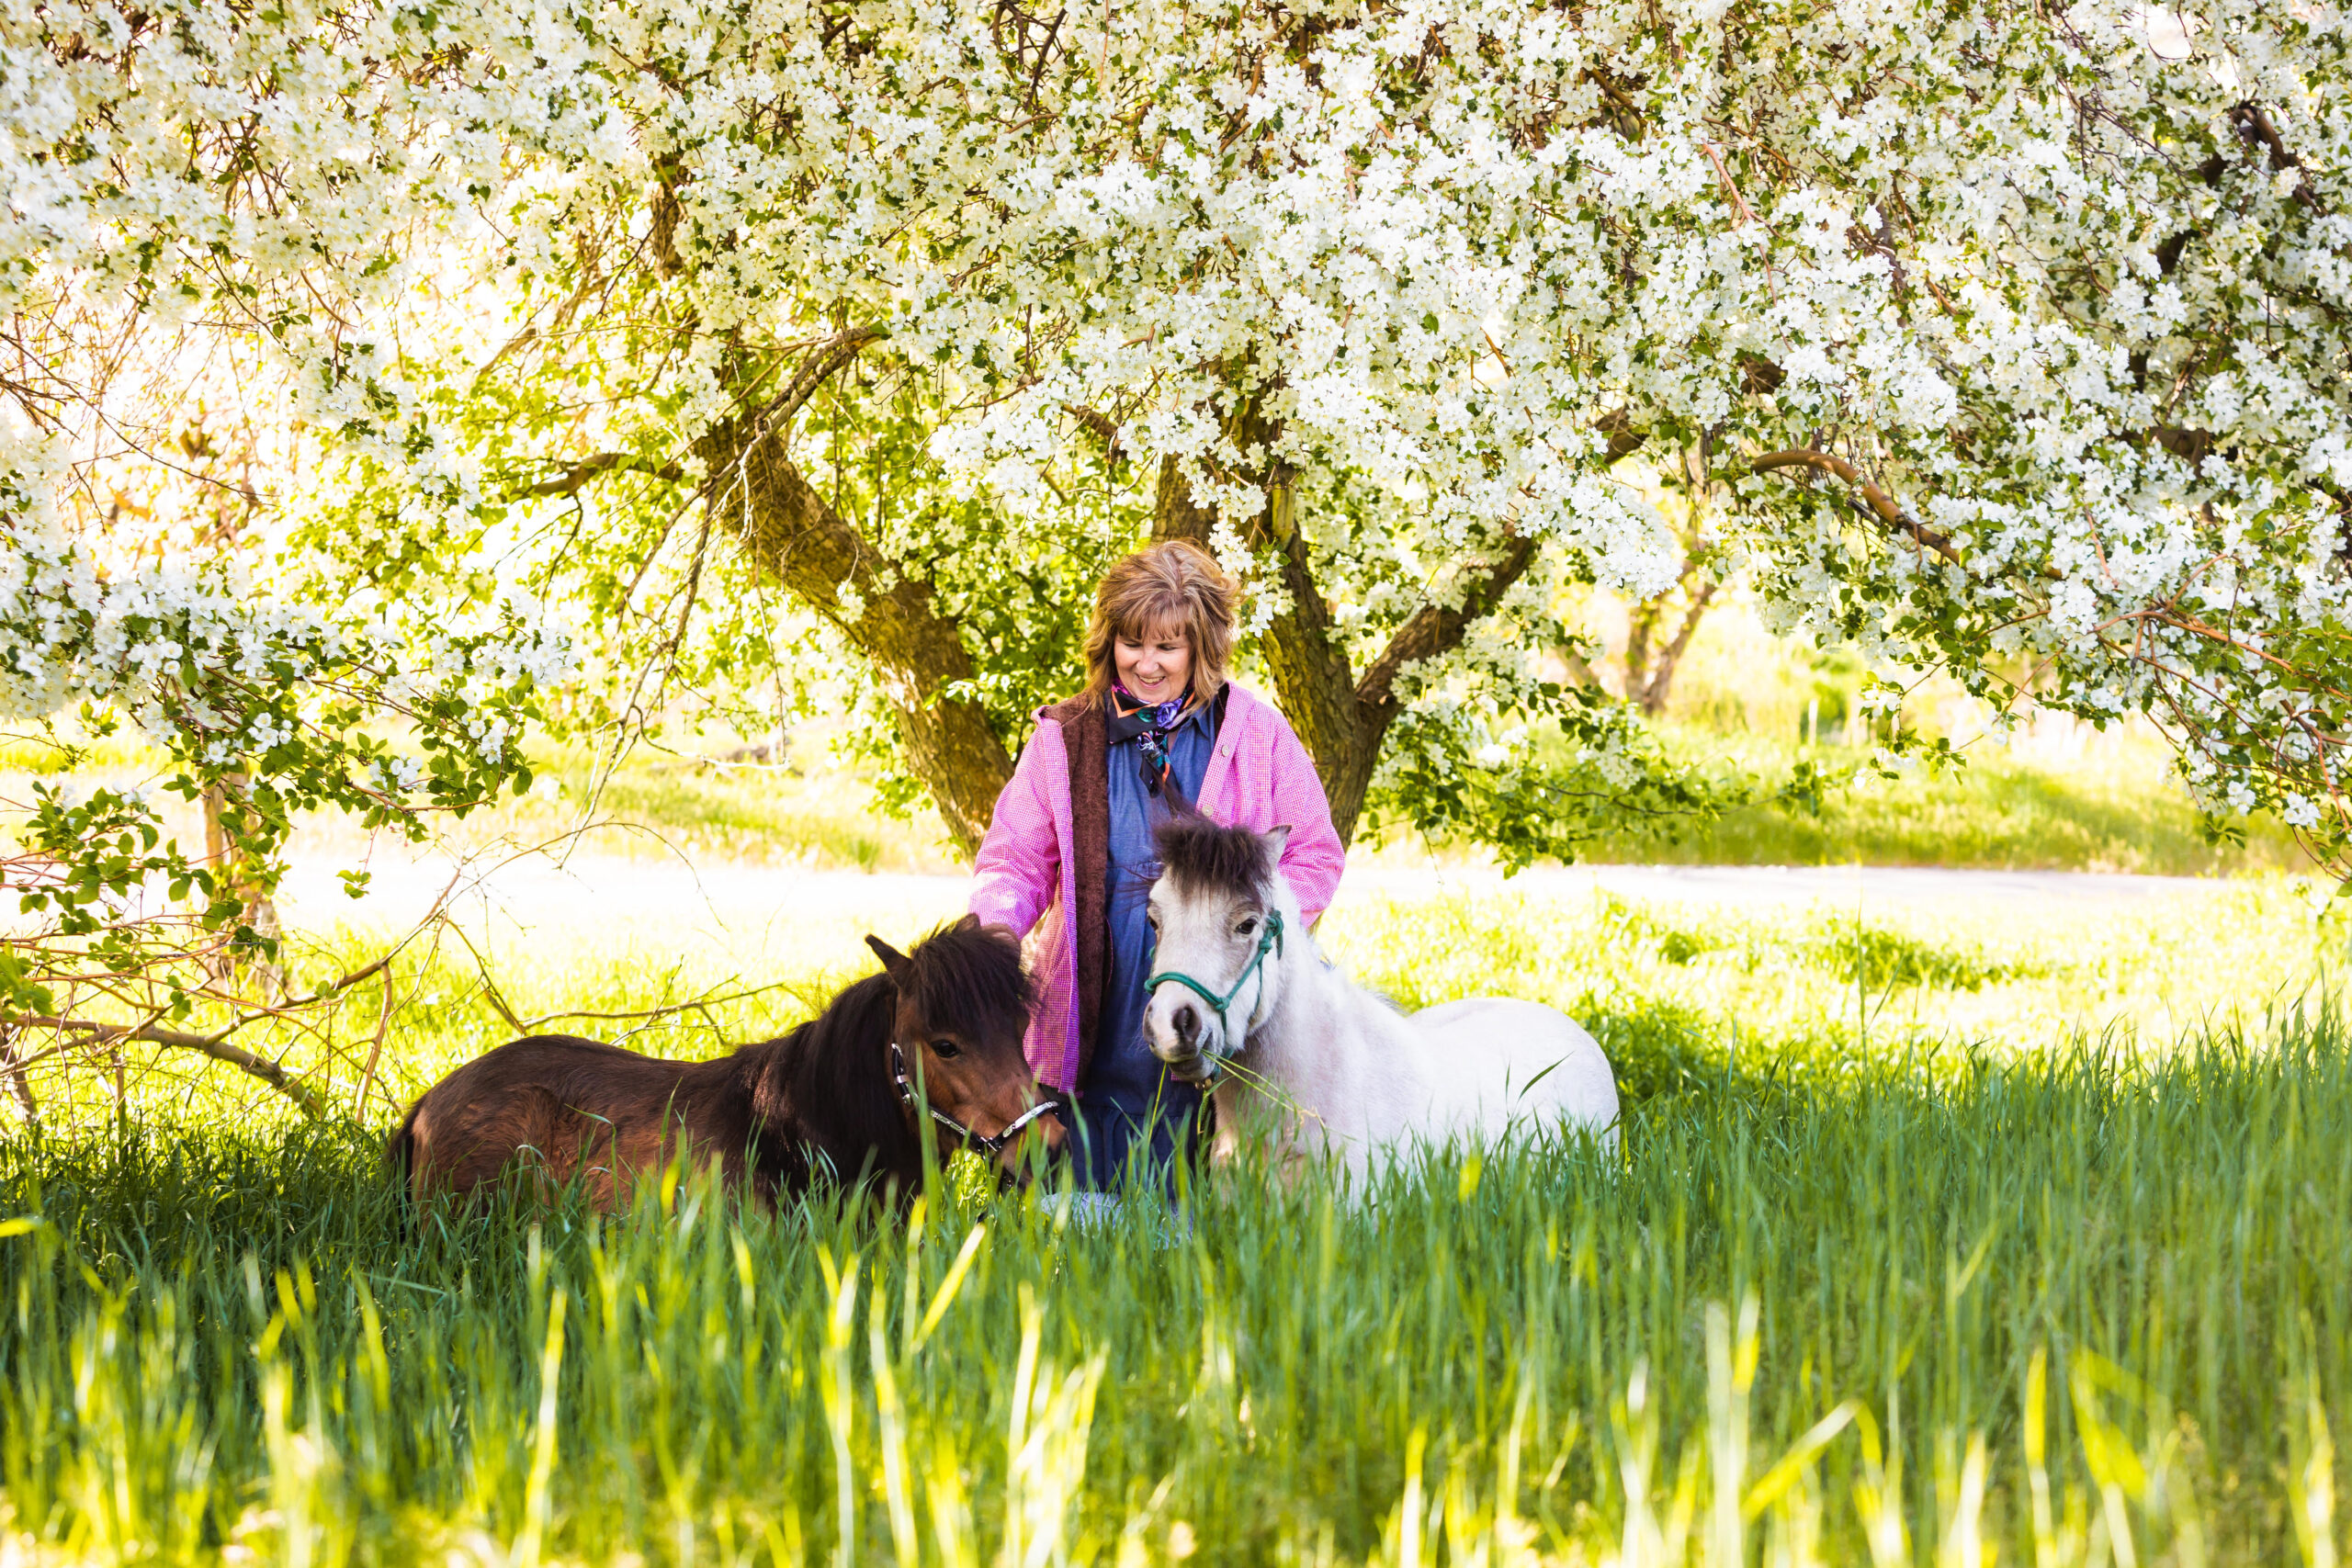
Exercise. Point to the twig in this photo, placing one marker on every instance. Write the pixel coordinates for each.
(1740, 211)
(216, 1046)
(490, 986)
(375, 1052)
(702, 1004)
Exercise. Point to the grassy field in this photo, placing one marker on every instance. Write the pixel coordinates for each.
(1930, 1237)
(2093, 802)
(2109, 805)
(2112, 807)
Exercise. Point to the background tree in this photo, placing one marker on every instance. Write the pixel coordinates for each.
(148, 587)
(1984, 332)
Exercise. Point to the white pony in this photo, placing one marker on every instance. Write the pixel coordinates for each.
(1324, 1066)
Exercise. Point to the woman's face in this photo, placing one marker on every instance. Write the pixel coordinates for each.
(1157, 666)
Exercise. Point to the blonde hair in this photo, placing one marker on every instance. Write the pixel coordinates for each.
(1175, 580)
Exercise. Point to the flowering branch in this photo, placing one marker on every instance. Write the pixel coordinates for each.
(1879, 503)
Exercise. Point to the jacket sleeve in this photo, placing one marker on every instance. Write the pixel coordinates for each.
(1018, 870)
(1313, 857)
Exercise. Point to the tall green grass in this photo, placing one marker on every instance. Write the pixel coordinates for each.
(2074, 1308)
(1875, 1173)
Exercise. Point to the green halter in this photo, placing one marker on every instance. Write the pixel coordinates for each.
(1271, 937)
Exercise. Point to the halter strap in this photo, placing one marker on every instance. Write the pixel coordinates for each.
(1269, 938)
(987, 1145)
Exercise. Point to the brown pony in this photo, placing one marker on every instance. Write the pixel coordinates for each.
(836, 1098)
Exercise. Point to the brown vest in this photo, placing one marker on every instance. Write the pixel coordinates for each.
(1089, 811)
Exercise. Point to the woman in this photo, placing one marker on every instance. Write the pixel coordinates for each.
(1158, 726)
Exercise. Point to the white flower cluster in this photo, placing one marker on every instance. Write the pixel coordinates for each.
(222, 675)
(156, 644)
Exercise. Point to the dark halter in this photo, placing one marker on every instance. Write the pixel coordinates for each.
(987, 1145)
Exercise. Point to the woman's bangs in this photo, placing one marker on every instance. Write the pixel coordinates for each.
(1156, 617)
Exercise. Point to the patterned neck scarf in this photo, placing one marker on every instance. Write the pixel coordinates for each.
(1149, 724)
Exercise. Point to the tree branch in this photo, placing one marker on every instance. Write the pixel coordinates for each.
(815, 370)
(1434, 629)
(216, 1046)
(1101, 427)
(2254, 125)
(887, 611)
(572, 479)
(1624, 438)
(1879, 502)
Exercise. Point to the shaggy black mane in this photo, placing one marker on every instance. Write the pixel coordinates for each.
(968, 977)
(1200, 856)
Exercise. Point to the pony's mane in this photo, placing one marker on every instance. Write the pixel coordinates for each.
(1200, 856)
(968, 977)
(859, 1015)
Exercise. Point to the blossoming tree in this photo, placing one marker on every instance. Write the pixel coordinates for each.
(1993, 337)
(146, 587)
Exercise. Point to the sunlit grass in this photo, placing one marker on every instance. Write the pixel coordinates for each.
(2113, 807)
(2111, 804)
(811, 810)
(1664, 984)
(1936, 1152)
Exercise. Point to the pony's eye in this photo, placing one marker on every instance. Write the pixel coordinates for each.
(1248, 927)
(944, 1049)
(1151, 917)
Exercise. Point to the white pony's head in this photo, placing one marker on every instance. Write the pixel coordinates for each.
(1225, 919)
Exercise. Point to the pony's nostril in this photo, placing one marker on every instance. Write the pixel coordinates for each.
(1187, 1023)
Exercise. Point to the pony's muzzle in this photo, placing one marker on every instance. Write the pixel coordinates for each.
(1181, 1034)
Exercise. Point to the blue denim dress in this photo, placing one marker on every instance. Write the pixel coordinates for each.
(1127, 1095)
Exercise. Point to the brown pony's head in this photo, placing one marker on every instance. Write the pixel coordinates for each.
(963, 1007)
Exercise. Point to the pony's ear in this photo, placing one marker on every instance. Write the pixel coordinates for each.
(968, 923)
(1275, 839)
(894, 962)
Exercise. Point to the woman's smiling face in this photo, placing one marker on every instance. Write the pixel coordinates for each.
(1157, 665)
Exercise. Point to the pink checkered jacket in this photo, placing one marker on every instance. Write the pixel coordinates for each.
(1260, 777)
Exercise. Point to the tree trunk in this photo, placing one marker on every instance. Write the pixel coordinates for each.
(1340, 729)
(759, 495)
(1650, 666)
(914, 649)
(1651, 690)
(1641, 621)
(1309, 671)
(18, 1084)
